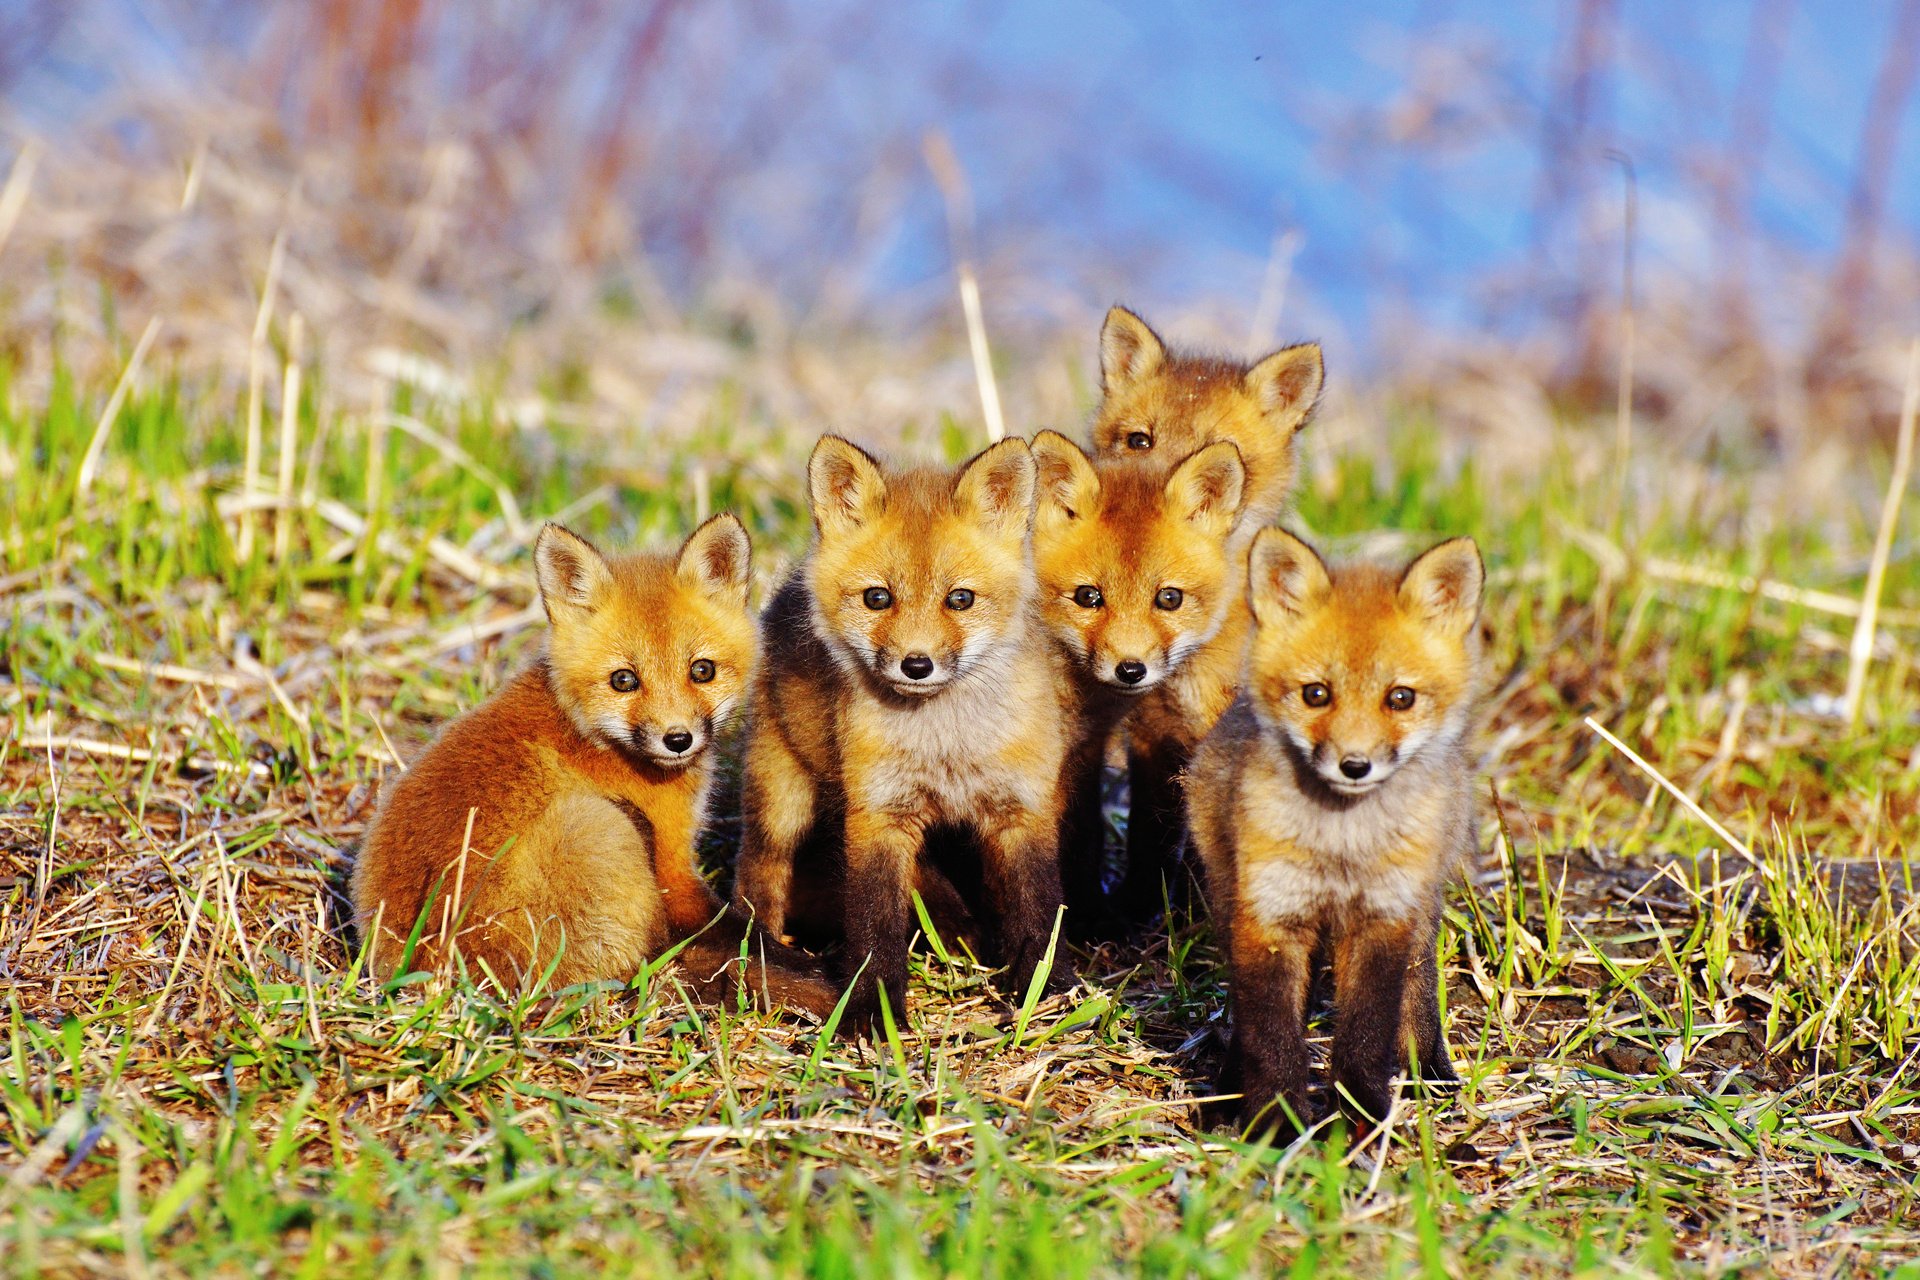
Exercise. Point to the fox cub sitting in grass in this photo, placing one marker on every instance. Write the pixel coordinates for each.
(1330, 807)
(907, 691)
(1163, 405)
(554, 825)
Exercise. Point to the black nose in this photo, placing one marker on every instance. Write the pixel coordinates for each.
(916, 666)
(1131, 672)
(1356, 767)
(677, 741)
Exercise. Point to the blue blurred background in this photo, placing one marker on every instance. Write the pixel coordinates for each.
(1369, 172)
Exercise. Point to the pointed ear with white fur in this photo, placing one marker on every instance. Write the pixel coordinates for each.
(1443, 586)
(1287, 385)
(1066, 487)
(1210, 488)
(1129, 350)
(718, 559)
(844, 485)
(570, 570)
(998, 487)
(1286, 578)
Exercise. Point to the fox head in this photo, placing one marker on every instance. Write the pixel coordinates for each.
(1167, 404)
(648, 654)
(1359, 670)
(918, 577)
(1131, 557)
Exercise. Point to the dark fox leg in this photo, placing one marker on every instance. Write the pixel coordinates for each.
(1421, 1025)
(1370, 962)
(1083, 846)
(1267, 1062)
(882, 855)
(1156, 829)
(778, 805)
(1021, 866)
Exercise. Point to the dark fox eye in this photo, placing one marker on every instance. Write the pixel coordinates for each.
(1316, 694)
(1399, 698)
(959, 598)
(1088, 597)
(624, 681)
(701, 671)
(1169, 598)
(1139, 440)
(878, 598)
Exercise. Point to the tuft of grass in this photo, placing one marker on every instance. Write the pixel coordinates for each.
(1672, 1061)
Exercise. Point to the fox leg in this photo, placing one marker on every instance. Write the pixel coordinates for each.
(1083, 831)
(1420, 1017)
(1156, 828)
(1268, 968)
(882, 852)
(779, 808)
(1021, 862)
(1370, 962)
(689, 901)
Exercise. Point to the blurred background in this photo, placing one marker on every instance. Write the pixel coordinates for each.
(618, 204)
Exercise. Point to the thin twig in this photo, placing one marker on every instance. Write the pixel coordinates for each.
(952, 181)
(90, 461)
(1692, 806)
(1861, 654)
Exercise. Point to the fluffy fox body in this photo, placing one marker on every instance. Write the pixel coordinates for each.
(554, 824)
(1135, 577)
(906, 689)
(1331, 805)
(1167, 406)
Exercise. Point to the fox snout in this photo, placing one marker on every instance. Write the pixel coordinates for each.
(672, 743)
(1351, 766)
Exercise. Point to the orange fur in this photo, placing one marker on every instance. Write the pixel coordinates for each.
(555, 823)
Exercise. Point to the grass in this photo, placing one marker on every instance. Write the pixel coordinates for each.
(1678, 1058)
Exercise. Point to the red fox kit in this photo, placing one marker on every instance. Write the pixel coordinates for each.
(1135, 577)
(1168, 405)
(906, 688)
(1330, 807)
(557, 819)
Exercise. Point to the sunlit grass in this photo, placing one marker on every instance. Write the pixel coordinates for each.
(1673, 1059)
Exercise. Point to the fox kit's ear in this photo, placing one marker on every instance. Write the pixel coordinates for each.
(844, 485)
(998, 487)
(1287, 385)
(1129, 350)
(1210, 488)
(718, 559)
(1066, 485)
(570, 570)
(1286, 577)
(1443, 585)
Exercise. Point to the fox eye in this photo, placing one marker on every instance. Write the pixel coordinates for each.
(1399, 698)
(959, 598)
(1169, 598)
(624, 681)
(701, 671)
(1139, 440)
(1316, 694)
(1088, 597)
(878, 598)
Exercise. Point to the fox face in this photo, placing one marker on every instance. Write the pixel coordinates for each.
(1132, 558)
(1170, 405)
(919, 577)
(1358, 671)
(649, 654)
